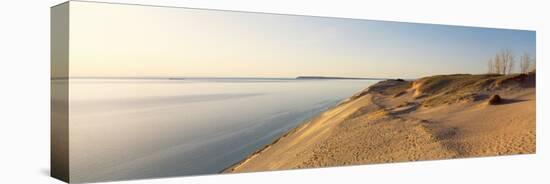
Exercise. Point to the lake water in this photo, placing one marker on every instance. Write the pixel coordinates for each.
(142, 128)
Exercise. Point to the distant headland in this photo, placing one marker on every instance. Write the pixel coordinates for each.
(337, 78)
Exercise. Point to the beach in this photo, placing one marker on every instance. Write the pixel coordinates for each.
(431, 118)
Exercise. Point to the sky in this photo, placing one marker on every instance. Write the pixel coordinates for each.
(113, 40)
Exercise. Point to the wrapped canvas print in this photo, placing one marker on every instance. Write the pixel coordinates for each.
(146, 91)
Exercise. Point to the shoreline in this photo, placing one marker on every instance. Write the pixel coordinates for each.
(286, 134)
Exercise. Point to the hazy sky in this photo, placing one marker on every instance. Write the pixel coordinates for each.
(127, 40)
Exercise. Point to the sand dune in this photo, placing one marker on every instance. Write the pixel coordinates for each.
(436, 117)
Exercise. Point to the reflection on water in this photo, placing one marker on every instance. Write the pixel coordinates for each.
(139, 128)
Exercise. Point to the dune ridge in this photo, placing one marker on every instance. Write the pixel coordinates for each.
(437, 117)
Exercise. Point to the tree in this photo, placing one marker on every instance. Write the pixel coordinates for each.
(502, 63)
(526, 63)
(490, 66)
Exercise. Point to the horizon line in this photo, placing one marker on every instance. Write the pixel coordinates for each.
(221, 77)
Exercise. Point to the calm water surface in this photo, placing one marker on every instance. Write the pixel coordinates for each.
(141, 128)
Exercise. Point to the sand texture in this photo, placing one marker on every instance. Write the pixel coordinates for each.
(437, 117)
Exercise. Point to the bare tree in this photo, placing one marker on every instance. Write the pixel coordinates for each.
(525, 63)
(507, 57)
(511, 64)
(490, 66)
(502, 63)
(498, 64)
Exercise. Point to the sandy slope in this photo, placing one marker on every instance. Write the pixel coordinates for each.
(432, 118)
